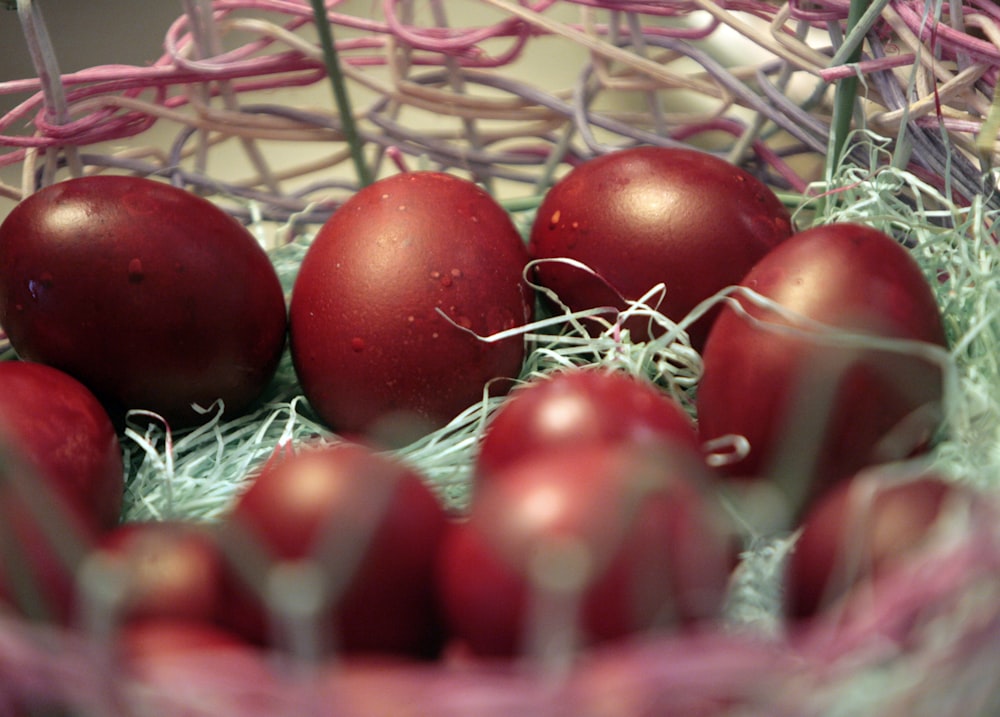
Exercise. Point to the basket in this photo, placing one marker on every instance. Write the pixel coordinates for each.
(244, 107)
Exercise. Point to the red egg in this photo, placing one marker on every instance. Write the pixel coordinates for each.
(151, 296)
(172, 570)
(190, 663)
(577, 407)
(815, 412)
(626, 534)
(66, 435)
(61, 482)
(649, 215)
(857, 532)
(368, 338)
(371, 525)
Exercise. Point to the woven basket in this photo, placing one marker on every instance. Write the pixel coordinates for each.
(748, 79)
(239, 109)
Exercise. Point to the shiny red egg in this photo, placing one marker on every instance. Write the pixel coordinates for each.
(369, 525)
(172, 571)
(387, 296)
(580, 407)
(604, 540)
(61, 484)
(153, 297)
(818, 403)
(859, 531)
(649, 215)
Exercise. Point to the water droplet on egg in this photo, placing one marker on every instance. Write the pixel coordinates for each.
(135, 272)
(456, 273)
(357, 344)
(464, 321)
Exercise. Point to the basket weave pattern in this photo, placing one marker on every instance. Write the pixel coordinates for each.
(636, 72)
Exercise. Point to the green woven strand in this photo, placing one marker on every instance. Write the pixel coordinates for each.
(332, 61)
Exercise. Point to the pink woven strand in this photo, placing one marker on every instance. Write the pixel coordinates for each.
(44, 59)
(819, 11)
(449, 40)
(865, 67)
(921, 21)
(96, 121)
(174, 68)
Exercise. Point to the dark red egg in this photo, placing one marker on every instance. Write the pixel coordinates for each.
(66, 435)
(172, 571)
(369, 524)
(61, 484)
(857, 532)
(616, 539)
(815, 411)
(484, 598)
(151, 296)
(213, 665)
(386, 297)
(649, 215)
(579, 407)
